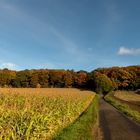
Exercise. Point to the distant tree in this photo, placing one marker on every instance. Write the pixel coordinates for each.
(22, 79)
(67, 79)
(90, 81)
(102, 84)
(6, 77)
(34, 81)
(80, 79)
(56, 78)
(43, 78)
(126, 78)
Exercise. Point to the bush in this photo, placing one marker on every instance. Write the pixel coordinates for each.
(103, 84)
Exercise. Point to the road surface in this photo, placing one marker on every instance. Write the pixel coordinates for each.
(116, 126)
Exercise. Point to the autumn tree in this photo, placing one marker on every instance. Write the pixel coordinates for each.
(67, 79)
(43, 78)
(6, 77)
(80, 79)
(34, 81)
(126, 78)
(56, 78)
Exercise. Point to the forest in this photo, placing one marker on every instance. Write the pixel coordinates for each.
(99, 80)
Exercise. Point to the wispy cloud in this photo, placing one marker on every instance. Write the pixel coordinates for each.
(68, 45)
(128, 51)
(36, 27)
(8, 65)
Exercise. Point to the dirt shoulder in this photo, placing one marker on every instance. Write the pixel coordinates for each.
(115, 126)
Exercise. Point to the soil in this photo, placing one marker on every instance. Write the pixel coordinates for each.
(116, 126)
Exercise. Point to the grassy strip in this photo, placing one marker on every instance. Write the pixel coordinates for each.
(123, 107)
(82, 128)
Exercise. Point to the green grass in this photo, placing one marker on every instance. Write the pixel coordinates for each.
(82, 128)
(123, 107)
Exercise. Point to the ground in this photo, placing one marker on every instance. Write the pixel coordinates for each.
(115, 126)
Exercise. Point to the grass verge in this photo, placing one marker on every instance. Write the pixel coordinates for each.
(123, 107)
(82, 128)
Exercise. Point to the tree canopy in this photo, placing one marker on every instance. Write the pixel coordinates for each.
(100, 80)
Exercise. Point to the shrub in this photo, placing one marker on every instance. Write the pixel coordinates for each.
(103, 84)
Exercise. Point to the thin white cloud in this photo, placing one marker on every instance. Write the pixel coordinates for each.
(128, 51)
(36, 27)
(8, 65)
(67, 43)
(44, 28)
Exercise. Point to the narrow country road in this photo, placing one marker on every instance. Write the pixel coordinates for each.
(115, 126)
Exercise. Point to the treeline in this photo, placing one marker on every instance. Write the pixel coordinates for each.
(122, 78)
(103, 79)
(42, 78)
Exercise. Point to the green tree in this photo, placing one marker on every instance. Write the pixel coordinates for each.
(102, 84)
(22, 79)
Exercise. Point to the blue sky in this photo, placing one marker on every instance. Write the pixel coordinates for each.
(69, 34)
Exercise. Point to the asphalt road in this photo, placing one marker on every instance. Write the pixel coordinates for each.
(116, 126)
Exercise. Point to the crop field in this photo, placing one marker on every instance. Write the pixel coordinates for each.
(127, 96)
(34, 114)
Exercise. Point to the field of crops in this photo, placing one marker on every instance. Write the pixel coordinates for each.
(127, 95)
(39, 113)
